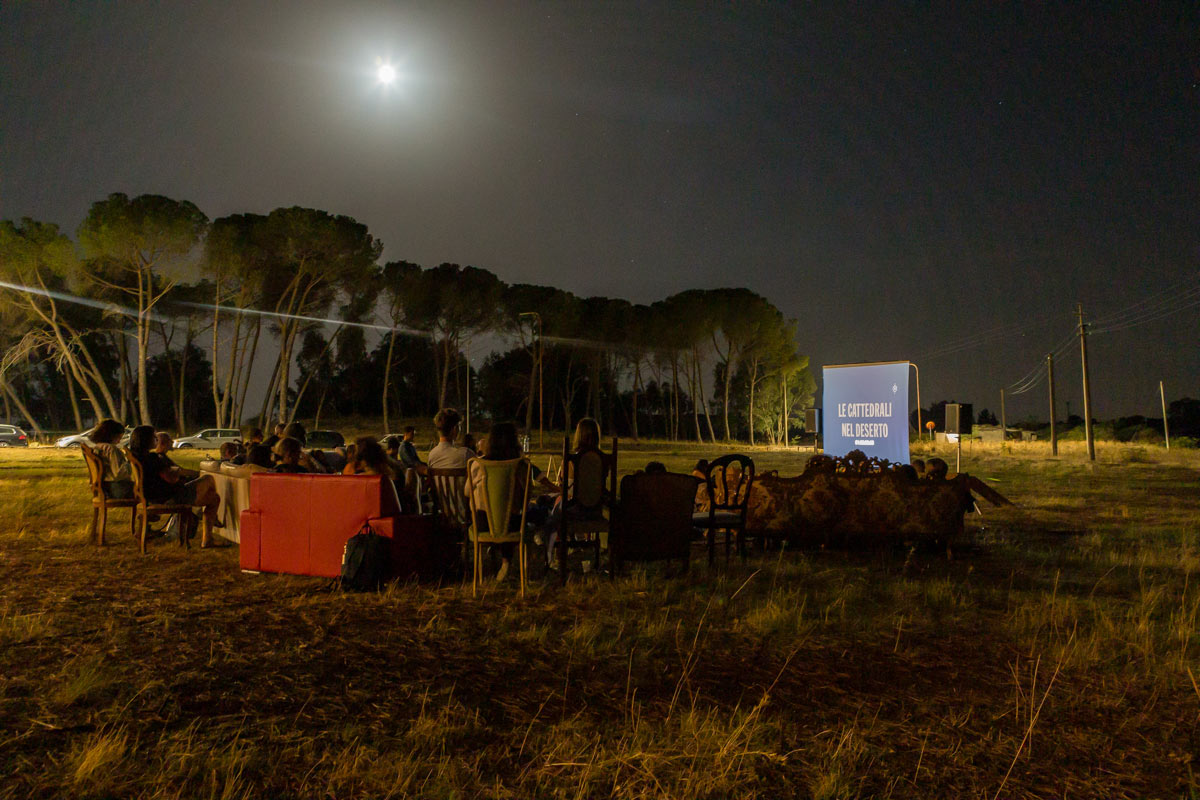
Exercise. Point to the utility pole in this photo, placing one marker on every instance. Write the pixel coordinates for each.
(1053, 410)
(541, 352)
(1162, 395)
(1087, 386)
(1003, 422)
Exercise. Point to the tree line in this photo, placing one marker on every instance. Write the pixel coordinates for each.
(155, 314)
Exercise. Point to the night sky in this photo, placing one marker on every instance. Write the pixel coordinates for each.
(899, 179)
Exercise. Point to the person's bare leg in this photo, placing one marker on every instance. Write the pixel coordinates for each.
(207, 496)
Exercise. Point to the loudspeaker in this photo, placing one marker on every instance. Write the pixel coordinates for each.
(812, 420)
(959, 418)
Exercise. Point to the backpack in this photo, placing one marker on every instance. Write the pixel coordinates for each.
(366, 560)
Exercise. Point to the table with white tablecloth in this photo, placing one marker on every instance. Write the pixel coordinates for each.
(233, 487)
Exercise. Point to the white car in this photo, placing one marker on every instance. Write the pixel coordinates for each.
(76, 439)
(209, 439)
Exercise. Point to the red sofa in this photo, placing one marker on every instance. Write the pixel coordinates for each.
(298, 524)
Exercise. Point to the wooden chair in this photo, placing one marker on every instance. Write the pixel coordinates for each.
(728, 485)
(143, 508)
(497, 482)
(653, 520)
(101, 502)
(588, 489)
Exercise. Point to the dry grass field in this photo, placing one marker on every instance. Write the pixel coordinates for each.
(1055, 655)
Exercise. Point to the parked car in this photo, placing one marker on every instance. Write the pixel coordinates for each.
(325, 440)
(76, 439)
(12, 436)
(209, 439)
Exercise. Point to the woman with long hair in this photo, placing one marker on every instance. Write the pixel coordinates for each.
(166, 482)
(115, 476)
(502, 445)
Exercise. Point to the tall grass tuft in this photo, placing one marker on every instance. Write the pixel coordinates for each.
(100, 757)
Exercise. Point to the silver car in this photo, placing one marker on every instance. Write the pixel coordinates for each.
(76, 439)
(209, 439)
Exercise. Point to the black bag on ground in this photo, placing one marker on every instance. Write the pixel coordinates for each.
(366, 560)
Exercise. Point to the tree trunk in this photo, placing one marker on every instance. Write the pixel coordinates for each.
(674, 398)
(387, 377)
(637, 381)
(181, 413)
(73, 395)
(8, 392)
(728, 380)
(143, 350)
(246, 372)
(753, 379)
(320, 359)
(784, 436)
(219, 401)
(268, 406)
(124, 377)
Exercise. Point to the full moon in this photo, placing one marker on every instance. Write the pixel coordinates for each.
(386, 74)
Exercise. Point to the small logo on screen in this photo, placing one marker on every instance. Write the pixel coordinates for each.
(867, 442)
(895, 388)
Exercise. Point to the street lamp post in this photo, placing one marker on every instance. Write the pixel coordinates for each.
(540, 353)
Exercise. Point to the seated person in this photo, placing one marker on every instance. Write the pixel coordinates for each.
(391, 447)
(469, 443)
(260, 456)
(587, 439)
(502, 446)
(230, 451)
(289, 452)
(369, 459)
(274, 438)
(408, 450)
(166, 482)
(255, 436)
(919, 465)
(936, 469)
(116, 476)
(296, 432)
(163, 443)
(656, 468)
(446, 454)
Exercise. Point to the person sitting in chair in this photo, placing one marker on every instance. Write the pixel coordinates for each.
(229, 453)
(290, 453)
(446, 454)
(502, 445)
(163, 443)
(369, 458)
(407, 453)
(586, 440)
(274, 438)
(260, 456)
(165, 482)
(116, 476)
